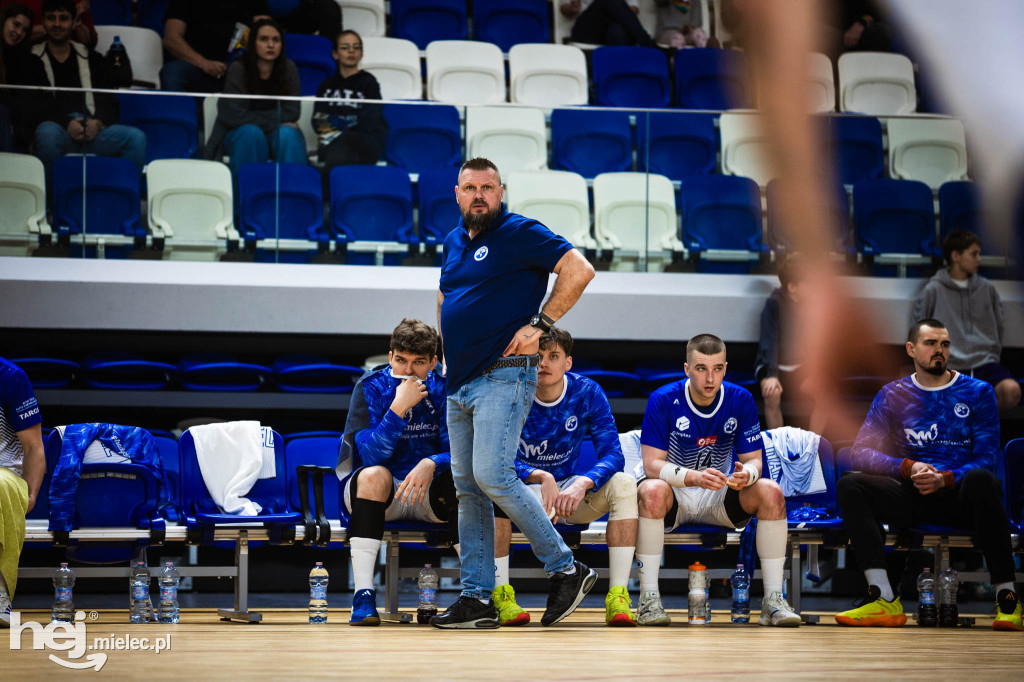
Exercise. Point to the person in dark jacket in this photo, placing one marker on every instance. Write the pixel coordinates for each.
(308, 16)
(351, 131)
(80, 122)
(17, 67)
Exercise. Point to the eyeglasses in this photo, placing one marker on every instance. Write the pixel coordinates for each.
(345, 46)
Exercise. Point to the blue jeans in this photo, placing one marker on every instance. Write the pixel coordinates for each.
(248, 144)
(53, 141)
(485, 421)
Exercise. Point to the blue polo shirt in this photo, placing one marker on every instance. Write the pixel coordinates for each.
(492, 285)
(18, 411)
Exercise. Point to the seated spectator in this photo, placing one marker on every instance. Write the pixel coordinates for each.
(199, 35)
(970, 305)
(308, 16)
(857, 25)
(254, 130)
(350, 131)
(679, 24)
(606, 22)
(82, 29)
(22, 467)
(15, 69)
(82, 122)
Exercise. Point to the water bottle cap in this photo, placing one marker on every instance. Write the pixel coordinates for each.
(697, 566)
(169, 565)
(319, 563)
(426, 565)
(739, 565)
(63, 564)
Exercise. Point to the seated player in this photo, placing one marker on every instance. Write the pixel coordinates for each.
(927, 454)
(404, 466)
(567, 409)
(695, 431)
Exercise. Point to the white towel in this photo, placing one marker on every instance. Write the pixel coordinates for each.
(630, 444)
(793, 460)
(232, 456)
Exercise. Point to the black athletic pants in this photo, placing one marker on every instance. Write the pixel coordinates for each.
(610, 22)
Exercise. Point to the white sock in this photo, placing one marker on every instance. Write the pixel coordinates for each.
(647, 569)
(620, 560)
(501, 570)
(650, 541)
(571, 571)
(3, 584)
(880, 579)
(770, 540)
(364, 559)
(999, 588)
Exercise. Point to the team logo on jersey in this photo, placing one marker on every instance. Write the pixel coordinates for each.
(682, 423)
(961, 410)
(571, 423)
(922, 437)
(730, 425)
(480, 254)
(530, 450)
(676, 401)
(707, 441)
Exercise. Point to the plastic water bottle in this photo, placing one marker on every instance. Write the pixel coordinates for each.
(427, 582)
(698, 594)
(138, 585)
(949, 614)
(120, 65)
(63, 600)
(927, 613)
(168, 609)
(740, 595)
(318, 579)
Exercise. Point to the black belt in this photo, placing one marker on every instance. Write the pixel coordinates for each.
(514, 361)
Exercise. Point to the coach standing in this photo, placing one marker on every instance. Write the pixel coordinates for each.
(495, 273)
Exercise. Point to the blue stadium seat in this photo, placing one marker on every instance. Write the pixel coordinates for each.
(1013, 482)
(126, 371)
(839, 216)
(314, 451)
(614, 384)
(722, 213)
(423, 21)
(171, 124)
(893, 217)
(112, 200)
(591, 142)
(47, 372)
(675, 144)
(372, 203)
(202, 515)
(631, 77)
(151, 14)
(220, 372)
(708, 78)
(311, 434)
(856, 148)
(826, 500)
(960, 208)
(509, 22)
(282, 201)
(167, 445)
(109, 13)
(439, 214)
(312, 57)
(422, 138)
(302, 373)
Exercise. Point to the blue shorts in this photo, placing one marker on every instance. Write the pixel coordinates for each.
(992, 373)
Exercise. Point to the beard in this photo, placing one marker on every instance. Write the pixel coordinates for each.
(479, 222)
(937, 368)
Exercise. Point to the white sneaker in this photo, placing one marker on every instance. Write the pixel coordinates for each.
(5, 611)
(776, 611)
(650, 611)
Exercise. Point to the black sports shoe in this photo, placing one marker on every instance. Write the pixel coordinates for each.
(467, 613)
(567, 591)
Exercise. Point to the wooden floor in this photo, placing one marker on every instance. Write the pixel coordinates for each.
(285, 646)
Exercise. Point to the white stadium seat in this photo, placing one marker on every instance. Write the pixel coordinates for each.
(465, 72)
(395, 63)
(365, 17)
(876, 84)
(745, 147)
(546, 75)
(145, 50)
(514, 139)
(823, 84)
(23, 198)
(190, 203)
(933, 151)
(556, 198)
(625, 202)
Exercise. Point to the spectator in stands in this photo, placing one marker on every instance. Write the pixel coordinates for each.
(200, 36)
(81, 122)
(778, 356)
(567, 409)
(308, 16)
(16, 68)
(701, 447)
(253, 131)
(680, 25)
(606, 22)
(22, 467)
(82, 29)
(970, 305)
(927, 454)
(404, 464)
(857, 25)
(493, 280)
(350, 131)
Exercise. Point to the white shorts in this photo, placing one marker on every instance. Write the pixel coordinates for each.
(617, 497)
(396, 511)
(700, 505)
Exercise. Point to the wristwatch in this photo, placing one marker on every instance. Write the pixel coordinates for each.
(542, 322)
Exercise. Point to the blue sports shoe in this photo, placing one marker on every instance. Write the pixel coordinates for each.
(364, 608)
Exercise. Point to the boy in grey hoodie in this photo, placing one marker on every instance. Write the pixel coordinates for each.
(969, 306)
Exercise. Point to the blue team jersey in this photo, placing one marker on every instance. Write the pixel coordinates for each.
(953, 428)
(696, 440)
(554, 433)
(399, 443)
(18, 411)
